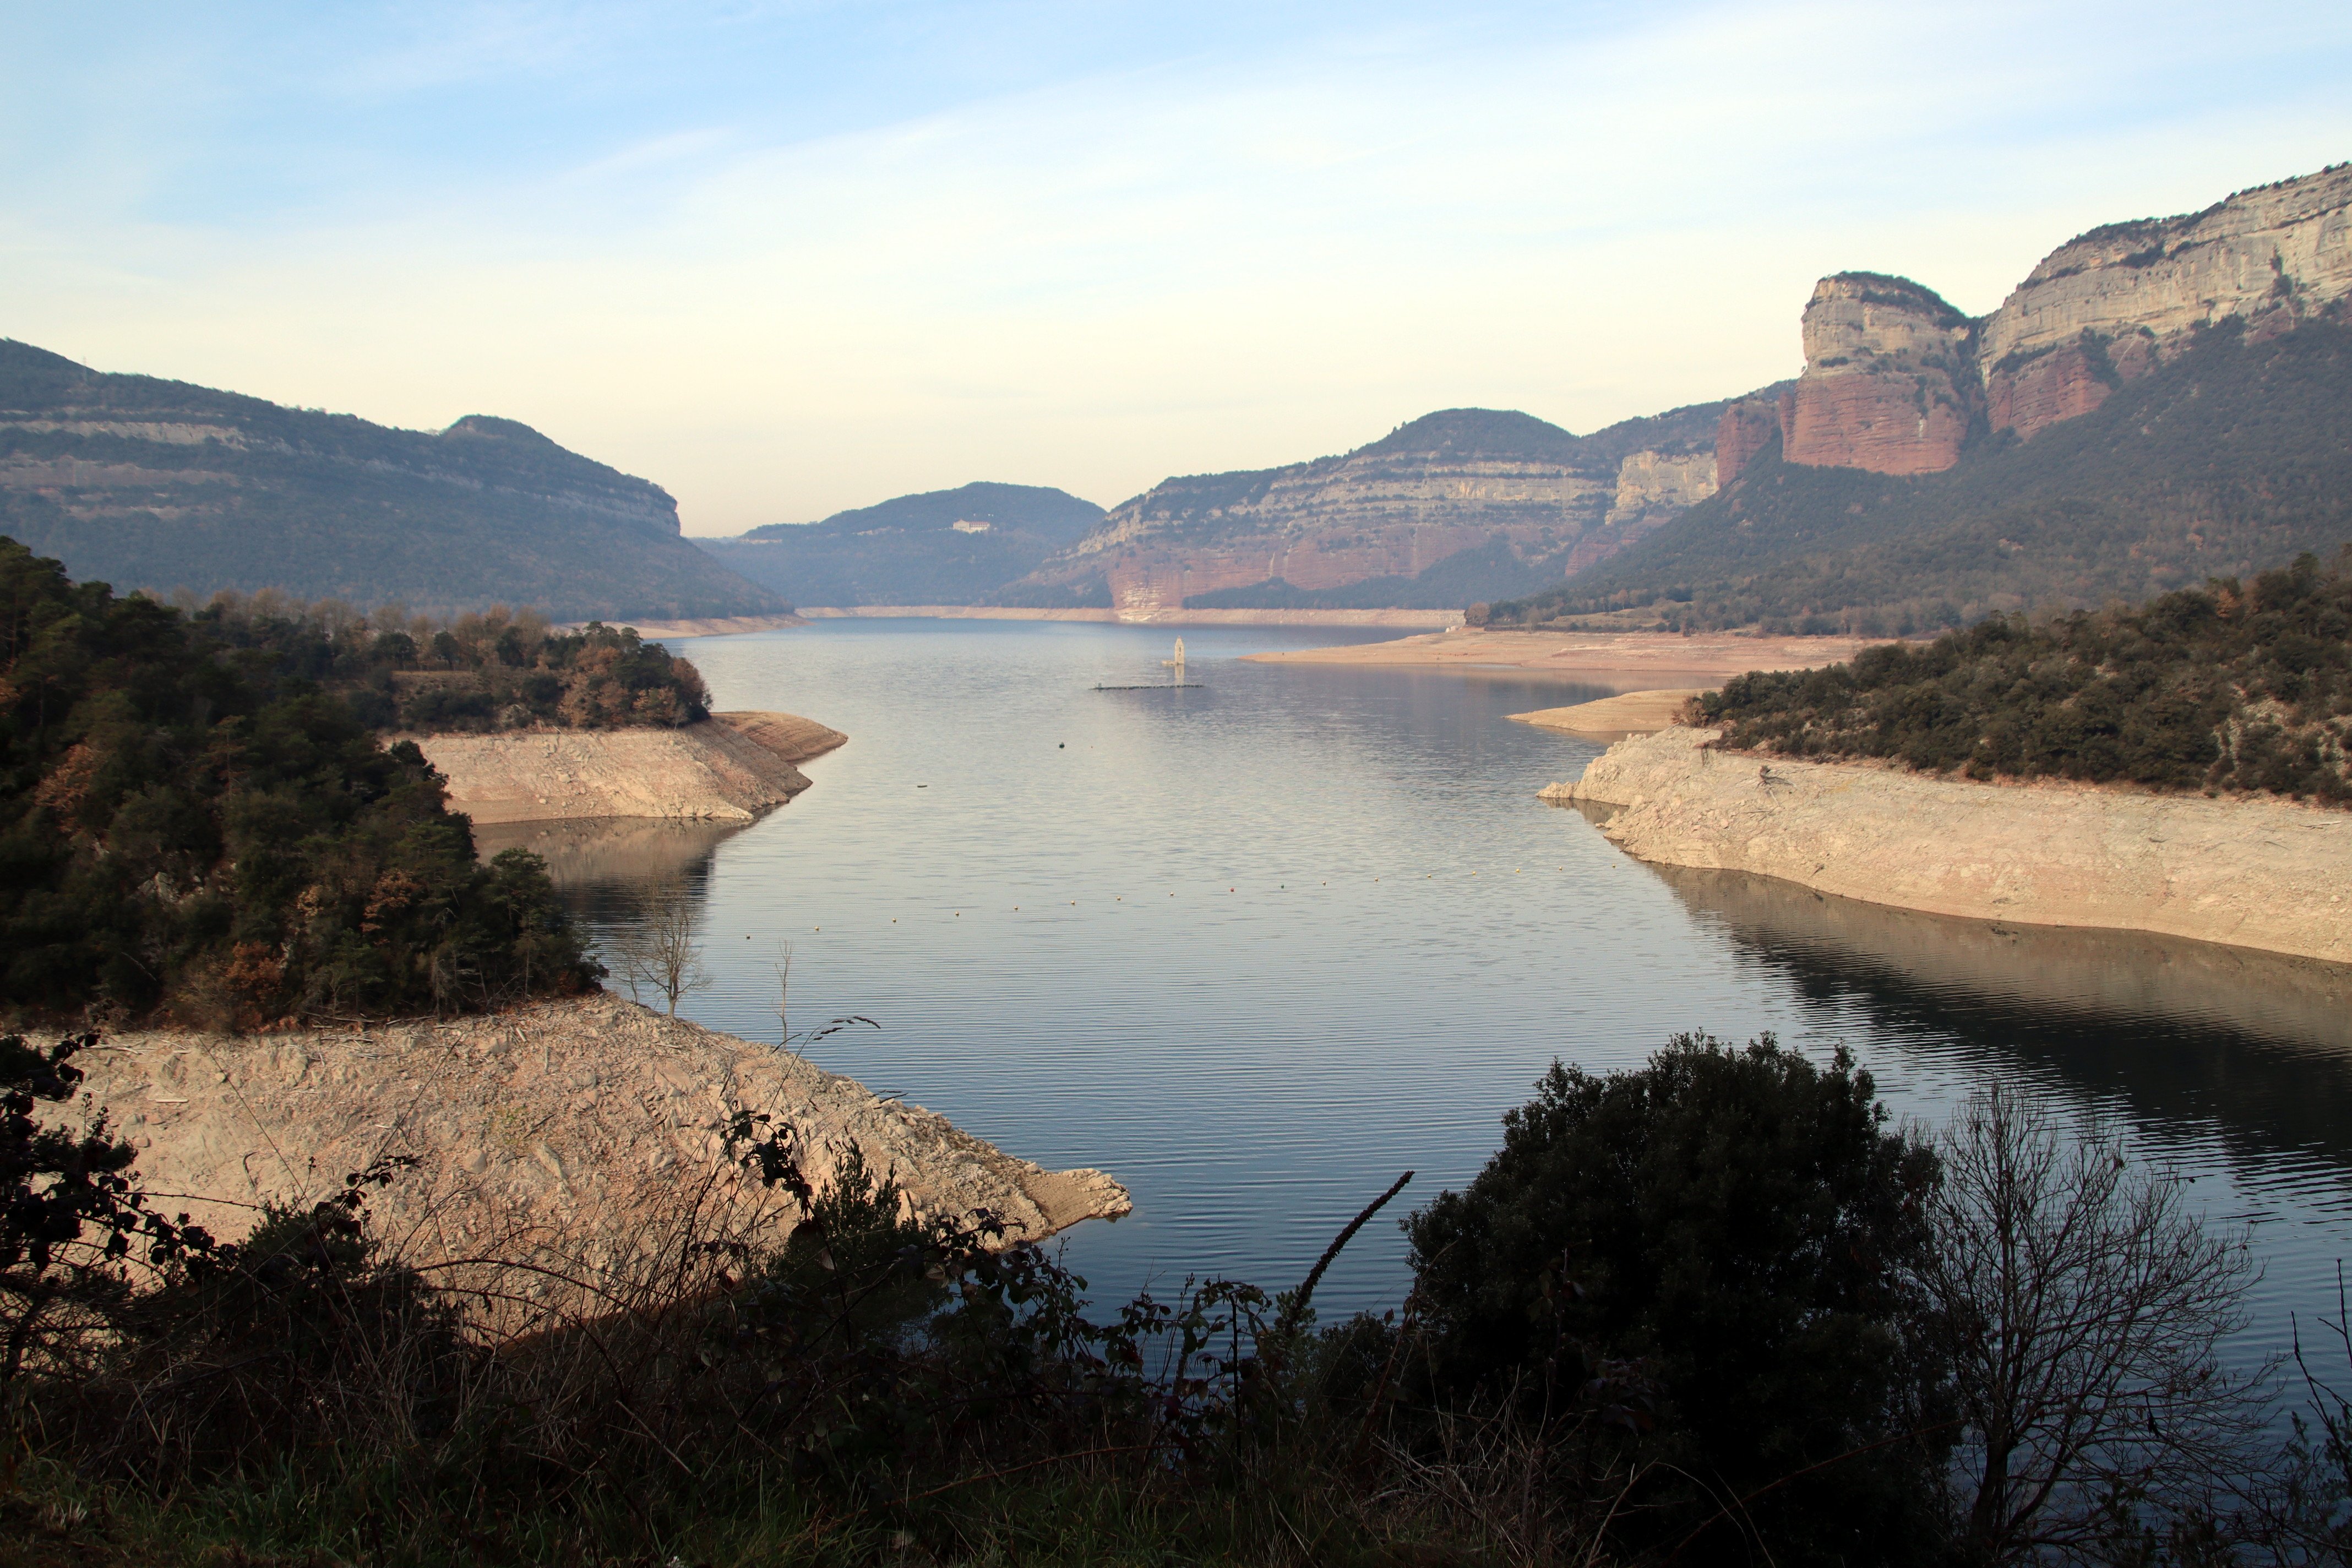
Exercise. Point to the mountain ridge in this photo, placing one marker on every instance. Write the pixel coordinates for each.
(150, 483)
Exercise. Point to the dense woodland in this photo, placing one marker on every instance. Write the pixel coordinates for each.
(498, 669)
(2231, 460)
(2232, 686)
(195, 826)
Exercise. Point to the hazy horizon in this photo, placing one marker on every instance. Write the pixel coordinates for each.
(789, 260)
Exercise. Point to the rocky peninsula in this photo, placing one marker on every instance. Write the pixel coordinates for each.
(729, 767)
(2250, 872)
(585, 1131)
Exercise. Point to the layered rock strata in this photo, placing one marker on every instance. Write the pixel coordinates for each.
(2106, 306)
(584, 1133)
(731, 767)
(1888, 385)
(1462, 481)
(2262, 874)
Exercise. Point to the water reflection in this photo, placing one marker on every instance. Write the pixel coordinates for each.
(608, 870)
(2178, 1031)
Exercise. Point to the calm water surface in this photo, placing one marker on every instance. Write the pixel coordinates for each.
(1258, 947)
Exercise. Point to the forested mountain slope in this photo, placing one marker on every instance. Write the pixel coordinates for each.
(156, 484)
(941, 547)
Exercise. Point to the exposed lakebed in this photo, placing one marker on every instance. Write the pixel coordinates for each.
(1257, 948)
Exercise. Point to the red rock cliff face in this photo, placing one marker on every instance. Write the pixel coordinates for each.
(1746, 428)
(2031, 397)
(1889, 384)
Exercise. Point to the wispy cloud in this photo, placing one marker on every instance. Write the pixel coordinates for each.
(1165, 253)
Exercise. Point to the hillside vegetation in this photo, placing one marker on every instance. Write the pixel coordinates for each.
(2229, 687)
(501, 669)
(155, 484)
(908, 550)
(2229, 460)
(192, 827)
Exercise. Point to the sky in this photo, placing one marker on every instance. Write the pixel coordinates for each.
(784, 258)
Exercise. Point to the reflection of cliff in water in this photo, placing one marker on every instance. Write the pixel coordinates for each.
(2260, 1044)
(608, 870)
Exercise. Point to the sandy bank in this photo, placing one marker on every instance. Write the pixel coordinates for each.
(1156, 618)
(1649, 659)
(2262, 874)
(729, 768)
(714, 626)
(571, 1129)
(1627, 713)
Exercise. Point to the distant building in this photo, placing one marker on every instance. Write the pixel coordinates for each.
(965, 525)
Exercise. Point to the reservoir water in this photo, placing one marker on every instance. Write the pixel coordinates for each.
(1258, 947)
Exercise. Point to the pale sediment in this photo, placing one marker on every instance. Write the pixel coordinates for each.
(2266, 874)
(584, 1130)
(729, 767)
(1649, 659)
(1150, 616)
(1627, 713)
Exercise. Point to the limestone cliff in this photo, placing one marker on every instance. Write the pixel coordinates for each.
(1460, 505)
(2106, 306)
(2254, 873)
(1889, 383)
(1894, 377)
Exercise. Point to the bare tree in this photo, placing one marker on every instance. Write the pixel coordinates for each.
(2082, 1305)
(661, 955)
(784, 968)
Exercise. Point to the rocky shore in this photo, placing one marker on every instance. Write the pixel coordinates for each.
(730, 767)
(2257, 873)
(584, 1130)
(1649, 659)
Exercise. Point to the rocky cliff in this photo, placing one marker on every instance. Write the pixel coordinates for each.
(1460, 505)
(1895, 378)
(1889, 381)
(2249, 872)
(2108, 306)
(156, 484)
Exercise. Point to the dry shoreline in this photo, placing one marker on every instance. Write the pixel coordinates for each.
(570, 1128)
(731, 767)
(2264, 874)
(1627, 713)
(1632, 659)
(1155, 618)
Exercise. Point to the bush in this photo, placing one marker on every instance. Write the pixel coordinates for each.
(1709, 1252)
(2228, 687)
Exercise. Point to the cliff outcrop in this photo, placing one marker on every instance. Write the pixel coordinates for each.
(730, 767)
(1889, 384)
(2249, 872)
(581, 1131)
(1461, 505)
(2108, 305)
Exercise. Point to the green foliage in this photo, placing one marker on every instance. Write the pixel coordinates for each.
(497, 670)
(2228, 687)
(187, 826)
(2232, 459)
(252, 495)
(1709, 1247)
